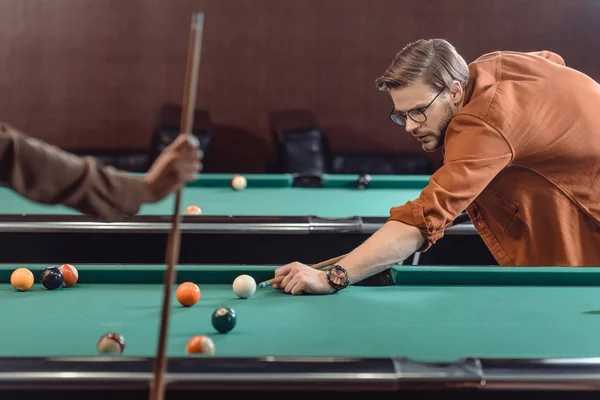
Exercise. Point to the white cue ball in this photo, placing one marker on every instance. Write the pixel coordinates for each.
(244, 286)
(239, 182)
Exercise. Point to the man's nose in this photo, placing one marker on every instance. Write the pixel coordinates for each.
(411, 125)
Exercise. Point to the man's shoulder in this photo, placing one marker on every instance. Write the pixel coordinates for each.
(488, 59)
(494, 55)
(498, 78)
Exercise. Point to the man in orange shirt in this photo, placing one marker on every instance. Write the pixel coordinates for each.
(521, 139)
(46, 174)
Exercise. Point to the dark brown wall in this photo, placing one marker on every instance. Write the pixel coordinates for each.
(94, 73)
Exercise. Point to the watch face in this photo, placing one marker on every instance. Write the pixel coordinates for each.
(337, 276)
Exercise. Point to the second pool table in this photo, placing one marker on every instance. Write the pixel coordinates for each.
(276, 219)
(490, 328)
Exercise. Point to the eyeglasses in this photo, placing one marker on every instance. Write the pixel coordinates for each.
(417, 115)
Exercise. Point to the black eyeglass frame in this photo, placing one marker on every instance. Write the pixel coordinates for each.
(402, 116)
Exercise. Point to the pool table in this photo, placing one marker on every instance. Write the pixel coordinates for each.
(276, 219)
(477, 329)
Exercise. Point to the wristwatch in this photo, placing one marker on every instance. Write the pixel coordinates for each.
(338, 278)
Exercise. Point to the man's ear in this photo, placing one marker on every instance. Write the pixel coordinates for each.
(456, 92)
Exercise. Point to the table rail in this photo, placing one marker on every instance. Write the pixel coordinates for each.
(304, 374)
(204, 224)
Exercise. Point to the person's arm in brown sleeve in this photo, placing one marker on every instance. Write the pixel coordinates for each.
(475, 154)
(46, 174)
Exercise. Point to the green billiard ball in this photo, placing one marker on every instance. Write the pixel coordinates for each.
(224, 319)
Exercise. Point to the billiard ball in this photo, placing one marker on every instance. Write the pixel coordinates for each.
(244, 286)
(111, 343)
(239, 182)
(188, 294)
(224, 319)
(193, 210)
(363, 182)
(22, 279)
(70, 275)
(52, 278)
(200, 345)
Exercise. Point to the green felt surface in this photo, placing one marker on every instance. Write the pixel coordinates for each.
(265, 195)
(430, 315)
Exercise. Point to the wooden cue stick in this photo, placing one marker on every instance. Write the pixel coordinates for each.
(157, 389)
(327, 263)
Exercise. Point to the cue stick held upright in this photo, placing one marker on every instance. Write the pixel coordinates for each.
(157, 388)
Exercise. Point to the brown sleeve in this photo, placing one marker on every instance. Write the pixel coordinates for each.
(47, 174)
(475, 154)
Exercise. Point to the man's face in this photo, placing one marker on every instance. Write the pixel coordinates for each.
(411, 99)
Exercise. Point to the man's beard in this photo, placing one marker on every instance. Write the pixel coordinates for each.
(439, 136)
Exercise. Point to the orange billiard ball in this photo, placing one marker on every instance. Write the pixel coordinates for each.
(200, 345)
(193, 210)
(188, 294)
(22, 279)
(70, 275)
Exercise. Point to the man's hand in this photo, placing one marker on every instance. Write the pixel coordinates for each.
(298, 278)
(390, 244)
(177, 164)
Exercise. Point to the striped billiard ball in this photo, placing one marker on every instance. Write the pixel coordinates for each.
(111, 343)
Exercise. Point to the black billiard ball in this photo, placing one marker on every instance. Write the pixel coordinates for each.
(224, 319)
(364, 180)
(52, 278)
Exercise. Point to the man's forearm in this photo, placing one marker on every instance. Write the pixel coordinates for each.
(392, 243)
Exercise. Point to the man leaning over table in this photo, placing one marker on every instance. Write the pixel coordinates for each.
(520, 134)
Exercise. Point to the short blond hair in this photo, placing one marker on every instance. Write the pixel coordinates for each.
(434, 62)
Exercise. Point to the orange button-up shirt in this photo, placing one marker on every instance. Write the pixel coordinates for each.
(522, 157)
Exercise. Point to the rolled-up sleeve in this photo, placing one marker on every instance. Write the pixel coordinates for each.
(474, 154)
(46, 174)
